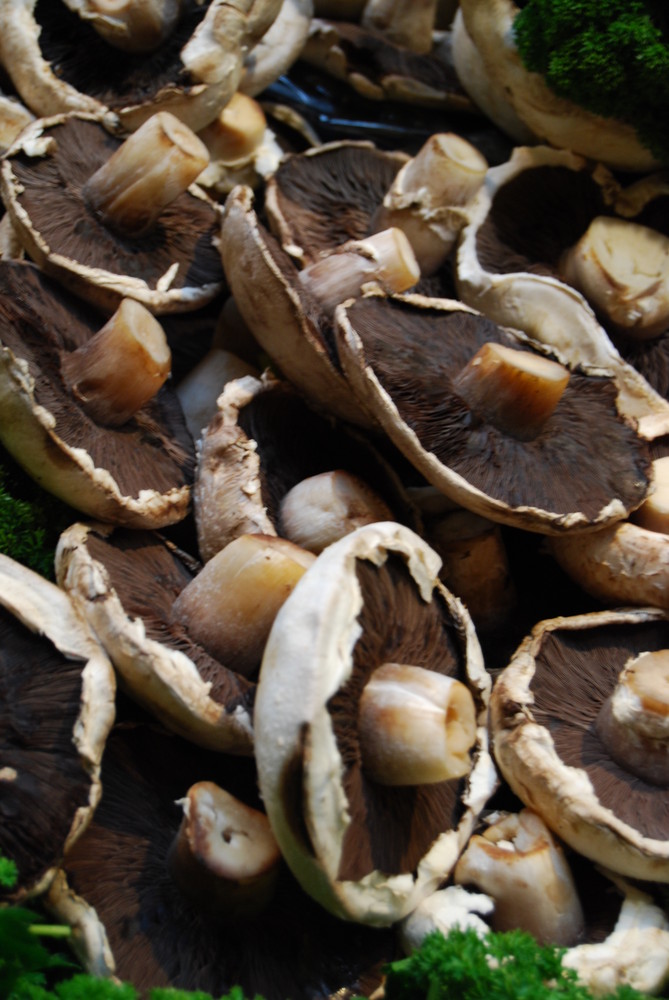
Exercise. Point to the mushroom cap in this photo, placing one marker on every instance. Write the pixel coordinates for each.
(130, 919)
(365, 852)
(59, 63)
(508, 265)
(548, 751)
(264, 440)
(126, 583)
(400, 354)
(174, 267)
(137, 474)
(56, 708)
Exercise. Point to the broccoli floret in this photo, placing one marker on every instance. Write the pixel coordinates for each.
(611, 57)
(500, 966)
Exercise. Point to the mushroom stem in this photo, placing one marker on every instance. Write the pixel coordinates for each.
(416, 727)
(323, 508)
(121, 368)
(519, 864)
(408, 23)
(237, 131)
(224, 857)
(145, 174)
(230, 606)
(133, 25)
(385, 259)
(515, 391)
(622, 268)
(426, 197)
(653, 514)
(633, 723)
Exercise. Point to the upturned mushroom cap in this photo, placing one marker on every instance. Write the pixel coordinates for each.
(508, 265)
(59, 63)
(365, 851)
(56, 709)
(405, 357)
(553, 119)
(548, 748)
(125, 584)
(137, 474)
(173, 267)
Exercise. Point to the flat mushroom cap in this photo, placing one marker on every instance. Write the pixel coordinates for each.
(401, 354)
(508, 265)
(59, 63)
(57, 691)
(137, 474)
(366, 852)
(131, 919)
(174, 267)
(126, 583)
(550, 753)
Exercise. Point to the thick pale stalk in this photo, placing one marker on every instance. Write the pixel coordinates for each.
(415, 726)
(520, 865)
(224, 857)
(230, 606)
(427, 196)
(121, 368)
(622, 268)
(147, 172)
(323, 508)
(132, 25)
(384, 259)
(199, 390)
(408, 23)
(653, 514)
(237, 131)
(515, 391)
(633, 723)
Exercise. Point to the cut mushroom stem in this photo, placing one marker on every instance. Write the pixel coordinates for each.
(408, 23)
(384, 259)
(145, 174)
(515, 391)
(653, 514)
(323, 508)
(230, 606)
(633, 722)
(427, 194)
(520, 865)
(224, 857)
(133, 25)
(416, 727)
(622, 268)
(121, 368)
(237, 131)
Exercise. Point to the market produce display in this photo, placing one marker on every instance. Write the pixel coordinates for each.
(334, 499)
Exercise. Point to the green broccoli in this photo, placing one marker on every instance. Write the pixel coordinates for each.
(611, 57)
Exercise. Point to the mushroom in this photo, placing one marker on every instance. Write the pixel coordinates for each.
(276, 51)
(71, 430)
(268, 463)
(593, 765)
(136, 232)
(120, 887)
(478, 410)
(510, 265)
(370, 726)
(60, 63)
(56, 709)
(126, 583)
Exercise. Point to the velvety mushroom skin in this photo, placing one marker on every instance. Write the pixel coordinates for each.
(57, 691)
(548, 748)
(126, 583)
(139, 473)
(367, 852)
(155, 935)
(174, 267)
(402, 356)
